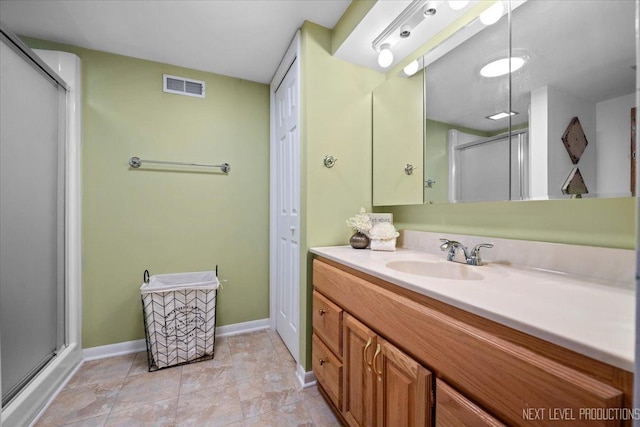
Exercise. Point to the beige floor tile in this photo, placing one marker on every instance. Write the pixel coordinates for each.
(95, 370)
(149, 387)
(251, 381)
(82, 403)
(320, 412)
(289, 415)
(252, 342)
(249, 365)
(212, 407)
(155, 414)
(207, 374)
(89, 422)
(309, 392)
(267, 393)
(140, 364)
(221, 344)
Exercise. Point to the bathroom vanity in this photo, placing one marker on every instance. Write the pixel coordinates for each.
(491, 345)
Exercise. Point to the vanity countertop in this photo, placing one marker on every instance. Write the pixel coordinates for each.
(580, 314)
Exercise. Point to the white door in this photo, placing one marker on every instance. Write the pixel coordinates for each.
(287, 188)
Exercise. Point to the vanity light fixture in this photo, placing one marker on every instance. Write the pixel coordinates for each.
(502, 115)
(493, 13)
(401, 28)
(501, 66)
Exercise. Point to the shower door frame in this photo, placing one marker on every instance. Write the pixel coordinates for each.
(37, 394)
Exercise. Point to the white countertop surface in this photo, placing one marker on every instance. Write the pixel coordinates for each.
(582, 315)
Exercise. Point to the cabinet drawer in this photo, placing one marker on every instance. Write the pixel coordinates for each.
(327, 322)
(328, 370)
(455, 410)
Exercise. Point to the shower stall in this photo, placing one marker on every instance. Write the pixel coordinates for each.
(483, 169)
(40, 105)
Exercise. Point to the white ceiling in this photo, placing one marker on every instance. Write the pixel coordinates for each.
(238, 38)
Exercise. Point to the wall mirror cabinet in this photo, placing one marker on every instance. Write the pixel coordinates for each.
(556, 122)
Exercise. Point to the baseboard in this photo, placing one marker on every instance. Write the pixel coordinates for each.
(307, 379)
(111, 350)
(128, 347)
(242, 328)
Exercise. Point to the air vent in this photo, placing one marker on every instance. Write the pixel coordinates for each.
(183, 86)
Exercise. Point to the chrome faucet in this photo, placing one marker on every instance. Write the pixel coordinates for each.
(472, 258)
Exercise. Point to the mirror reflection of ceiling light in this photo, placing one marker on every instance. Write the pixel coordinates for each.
(411, 68)
(502, 115)
(493, 13)
(500, 67)
(458, 4)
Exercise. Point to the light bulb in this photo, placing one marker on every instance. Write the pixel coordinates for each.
(385, 58)
(458, 4)
(493, 14)
(411, 68)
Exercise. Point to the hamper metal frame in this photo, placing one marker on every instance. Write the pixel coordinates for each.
(191, 326)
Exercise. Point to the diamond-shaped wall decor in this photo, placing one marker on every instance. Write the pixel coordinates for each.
(574, 184)
(574, 140)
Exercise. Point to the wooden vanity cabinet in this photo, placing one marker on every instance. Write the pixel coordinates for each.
(404, 395)
(394, 342)
(327, 369)
(383, 387)
(455, 410)
(359, 388)
(327, 323)
(326, 350)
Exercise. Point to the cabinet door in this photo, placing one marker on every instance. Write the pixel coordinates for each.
(403, 394)
(455, 410)
(358, 391)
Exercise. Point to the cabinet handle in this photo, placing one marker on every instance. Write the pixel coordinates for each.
(322, 361)
(322, 311)
(375, 356)
(364, 352)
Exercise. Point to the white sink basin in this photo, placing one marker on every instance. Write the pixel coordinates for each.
(438, 270)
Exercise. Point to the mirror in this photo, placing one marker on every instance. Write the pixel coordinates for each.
(577, 60)
(398, 141)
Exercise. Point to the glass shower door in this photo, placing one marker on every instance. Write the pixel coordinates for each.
(32, 220)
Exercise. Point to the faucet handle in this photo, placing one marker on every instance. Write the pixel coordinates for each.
(475, 252)
(451, 246)
(447, 244)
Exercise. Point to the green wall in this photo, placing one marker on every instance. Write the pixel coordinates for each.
(336, 120)
(592, 222)
(169, 219)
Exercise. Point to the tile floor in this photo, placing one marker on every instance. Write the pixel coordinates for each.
(250, 382)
